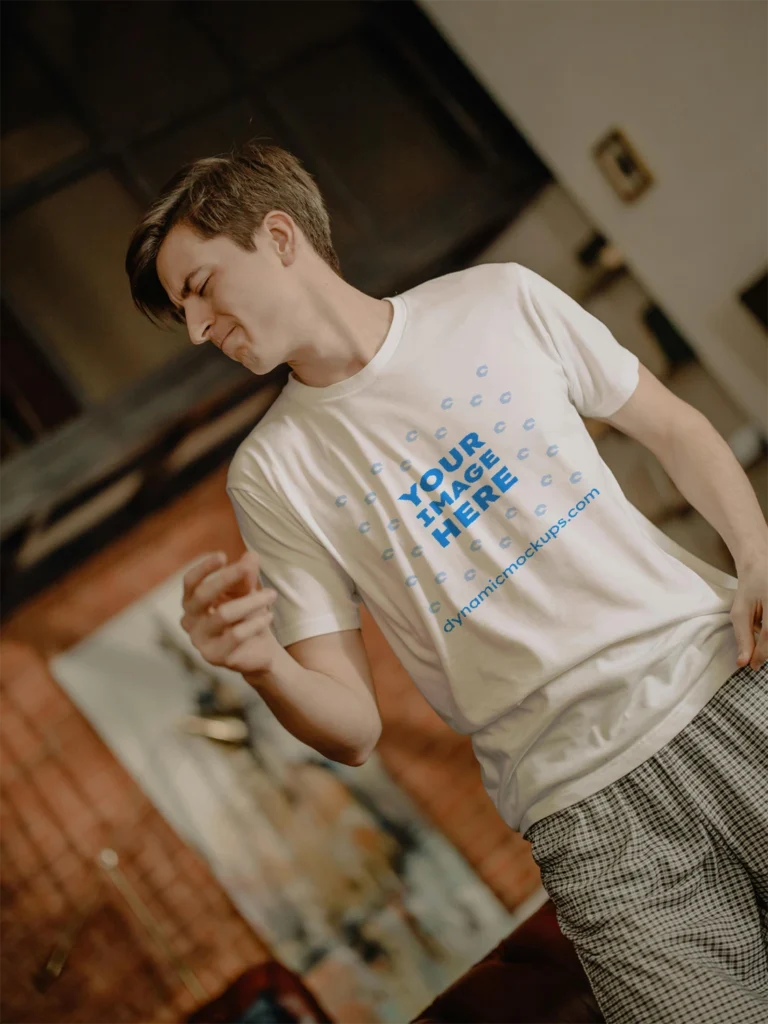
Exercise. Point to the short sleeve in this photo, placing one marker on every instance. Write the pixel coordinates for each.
(316, 595)
(601, 373)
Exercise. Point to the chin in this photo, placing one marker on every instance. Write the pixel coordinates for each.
(254, 363)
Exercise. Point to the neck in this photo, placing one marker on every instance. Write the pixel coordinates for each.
(343, 330)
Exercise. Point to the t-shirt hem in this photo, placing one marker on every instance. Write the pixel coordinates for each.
(621, 393)
(648, 745)
(306, 629)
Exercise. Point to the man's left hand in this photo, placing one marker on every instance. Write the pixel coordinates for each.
(749, 615)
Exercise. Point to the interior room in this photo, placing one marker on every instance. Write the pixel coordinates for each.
(170, 850)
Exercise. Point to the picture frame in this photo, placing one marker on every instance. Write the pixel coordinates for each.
(622, 166)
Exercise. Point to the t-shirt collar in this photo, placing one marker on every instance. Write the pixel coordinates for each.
(303, 392)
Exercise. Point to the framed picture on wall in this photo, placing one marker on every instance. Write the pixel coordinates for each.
(622, 166)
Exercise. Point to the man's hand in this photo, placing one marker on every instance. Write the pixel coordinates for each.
(708, 475)
(749, 614)
(227, 613)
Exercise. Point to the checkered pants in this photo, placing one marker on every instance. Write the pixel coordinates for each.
(661, 879)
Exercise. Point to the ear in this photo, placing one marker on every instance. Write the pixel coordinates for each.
(283, 233)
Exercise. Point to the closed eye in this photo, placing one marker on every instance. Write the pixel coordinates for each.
(202, 290)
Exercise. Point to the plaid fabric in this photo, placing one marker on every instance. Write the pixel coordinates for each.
(661, 879)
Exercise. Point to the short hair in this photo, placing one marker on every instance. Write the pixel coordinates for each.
(225, 195)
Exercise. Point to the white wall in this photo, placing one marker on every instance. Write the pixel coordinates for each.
(546, 236)
(687, 80)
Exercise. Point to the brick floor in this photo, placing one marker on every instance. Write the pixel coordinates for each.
(65, 797)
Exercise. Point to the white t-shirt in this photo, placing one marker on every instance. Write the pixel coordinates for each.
(452, 488)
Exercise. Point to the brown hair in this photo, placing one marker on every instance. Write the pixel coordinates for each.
(225, 195)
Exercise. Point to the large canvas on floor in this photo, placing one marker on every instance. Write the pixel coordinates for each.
(334, 867)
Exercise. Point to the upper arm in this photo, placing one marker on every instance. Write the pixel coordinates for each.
(605, 380)
(315, 595)
(342, 656)
(652, 414)
(316, 615)
(601, 374)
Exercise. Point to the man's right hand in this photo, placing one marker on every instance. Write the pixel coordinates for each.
(320, 689)
(227, 613)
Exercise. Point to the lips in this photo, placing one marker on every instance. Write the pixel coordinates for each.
(224, 340)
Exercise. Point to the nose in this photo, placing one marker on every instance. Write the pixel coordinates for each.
(199, 324)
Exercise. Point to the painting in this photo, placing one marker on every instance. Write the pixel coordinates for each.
(622, 166)
(334, 867)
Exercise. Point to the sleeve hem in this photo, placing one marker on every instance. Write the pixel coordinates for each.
(307, 628)
(622, 395)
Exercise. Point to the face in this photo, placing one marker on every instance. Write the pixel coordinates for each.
(240, 301)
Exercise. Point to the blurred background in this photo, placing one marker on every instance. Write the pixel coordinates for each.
(617, 148)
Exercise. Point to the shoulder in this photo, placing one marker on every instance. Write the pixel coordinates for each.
(483, 279)
(255, 466)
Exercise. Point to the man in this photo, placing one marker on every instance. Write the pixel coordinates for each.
(428, 459)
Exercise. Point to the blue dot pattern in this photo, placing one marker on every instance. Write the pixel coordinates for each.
(482, 371)
(435, 607)
(575, 477)
(505, 542)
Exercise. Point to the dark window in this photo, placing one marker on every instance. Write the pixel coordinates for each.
(102, 102)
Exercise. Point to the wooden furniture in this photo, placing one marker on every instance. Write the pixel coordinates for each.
(265, 992)
(532, 977)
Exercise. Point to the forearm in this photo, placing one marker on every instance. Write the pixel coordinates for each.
(709, 477)
(321, 711)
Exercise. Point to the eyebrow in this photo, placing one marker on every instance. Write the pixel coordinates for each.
(187, 283)
(186, 288)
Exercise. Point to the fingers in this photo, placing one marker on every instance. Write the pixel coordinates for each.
(198, 572)
(217, 644)
(230, 644)
(250, 627)
(241, 647)
(231, 612)
(743, 619)
(214, 584)
(242, 607)
(760, 652)
(250, 560)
